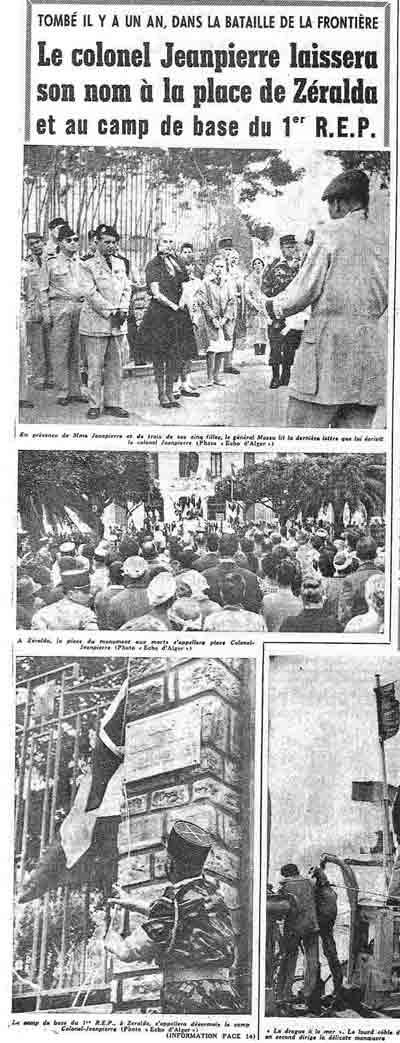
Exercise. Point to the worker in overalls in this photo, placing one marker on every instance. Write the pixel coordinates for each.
(187, 931)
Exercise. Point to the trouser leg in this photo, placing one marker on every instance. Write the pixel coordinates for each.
(309, 414)
(287, 970)
(219, 361)
(74, 360)
(113, 371)
(60, 349)
(159, 377)
(48, 360)
(310, 943)
(330, 952)
(170, 370)
(34, 336)
(95, 351)
(210, 365)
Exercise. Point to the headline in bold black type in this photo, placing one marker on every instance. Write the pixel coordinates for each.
(133, 81)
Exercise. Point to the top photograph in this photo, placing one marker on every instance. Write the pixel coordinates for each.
(204, 287)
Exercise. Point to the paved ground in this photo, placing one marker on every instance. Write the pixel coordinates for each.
(245, 401)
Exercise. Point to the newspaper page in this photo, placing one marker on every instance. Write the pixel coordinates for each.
(203, 672)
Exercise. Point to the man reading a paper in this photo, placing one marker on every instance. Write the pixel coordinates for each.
(339, 374)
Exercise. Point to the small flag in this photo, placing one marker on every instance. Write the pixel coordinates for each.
(388, 711)
(77, 833)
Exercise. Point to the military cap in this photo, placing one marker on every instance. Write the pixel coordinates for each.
(65, 233)
(33, 237)
(106, 230)
(288, 240)
(354, 182)
(67, 548)
(57, 222)
(134, 567)
(188, 842)
(225, 243)
(75, 578)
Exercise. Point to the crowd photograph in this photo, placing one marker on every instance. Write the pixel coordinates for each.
(276, 543)
(333, 895)
(229, 288)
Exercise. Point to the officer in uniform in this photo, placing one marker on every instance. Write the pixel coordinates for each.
(35, 331)
(276, 278)
(61, 299)
(107, 292)
(188, 931)
(339, 374)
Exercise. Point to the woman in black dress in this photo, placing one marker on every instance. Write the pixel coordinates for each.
(160, 333)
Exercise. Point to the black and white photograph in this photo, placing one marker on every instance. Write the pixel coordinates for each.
(210, 287)
(134, 845)
(333, 894)
(289, 543)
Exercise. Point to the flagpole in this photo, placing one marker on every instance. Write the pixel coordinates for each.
(385, 800)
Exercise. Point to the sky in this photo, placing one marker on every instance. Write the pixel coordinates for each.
(323, 736)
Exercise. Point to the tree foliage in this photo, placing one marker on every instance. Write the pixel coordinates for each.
(83, 481)
(374, 163)
(290, 484)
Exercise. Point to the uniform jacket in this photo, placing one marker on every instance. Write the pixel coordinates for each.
(31, 271)
(342, 355)
(204, 932)
(104, 290)
(60, 283)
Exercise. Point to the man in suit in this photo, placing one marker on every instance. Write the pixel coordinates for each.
(228, 547)
(352, 600)
(339, 373)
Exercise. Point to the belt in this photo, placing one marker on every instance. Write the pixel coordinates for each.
(193, 973)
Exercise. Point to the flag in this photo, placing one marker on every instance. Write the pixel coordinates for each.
(388, 711)
(97, 799)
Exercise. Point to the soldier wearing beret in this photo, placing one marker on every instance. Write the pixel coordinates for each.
(61, 299)
(276, 278)
(339, 375)
(188, 931)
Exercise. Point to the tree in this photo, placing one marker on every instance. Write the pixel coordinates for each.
(290, 484)
(374, 163)
(82, 481)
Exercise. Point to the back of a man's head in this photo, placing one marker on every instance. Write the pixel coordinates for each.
(351, 538)
(128, 548)
(233, 589)
(115, 570)
(286, 573)
(228, 545)
(366, 549)
(289, 869)
(212, 542)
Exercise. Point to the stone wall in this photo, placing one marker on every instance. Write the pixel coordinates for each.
(196, 767)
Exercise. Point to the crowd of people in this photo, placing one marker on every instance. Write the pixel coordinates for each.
(80, 324)
(289, 579)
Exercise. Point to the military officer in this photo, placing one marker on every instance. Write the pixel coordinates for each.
(339, 375)
(72, 611)
(33, 312)
(107, 292)
(283, 343)
(61, 299)
(51, 246)
(188, 931)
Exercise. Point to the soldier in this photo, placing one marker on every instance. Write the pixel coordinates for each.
(72, 611)
(51, 247)
(107, 292)
(339, 375)
(61, 299)
(35, 330)
(188, 931)
(276, 278)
